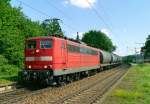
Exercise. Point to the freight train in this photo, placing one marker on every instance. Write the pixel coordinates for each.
(56, 60)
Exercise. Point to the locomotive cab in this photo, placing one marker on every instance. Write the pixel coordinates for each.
(38, 58)
(38, 54)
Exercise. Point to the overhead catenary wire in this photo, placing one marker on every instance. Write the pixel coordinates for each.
(98, 15)
(59, 10)
(33, 8)
(105, 12)
(45, 14)
(101, 19)
(63, 13)
(70, 27)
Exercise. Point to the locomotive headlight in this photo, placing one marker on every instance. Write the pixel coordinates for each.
(29, 66)
(45, 66)
(37, 51)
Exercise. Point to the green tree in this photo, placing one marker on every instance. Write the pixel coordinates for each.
(98, 39)
(146, 48)
(52, 27)
(113, 48)
(14, 28)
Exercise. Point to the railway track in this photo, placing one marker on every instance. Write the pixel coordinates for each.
(12, 96)
(91, 93)
(87, 93)
(19, 94)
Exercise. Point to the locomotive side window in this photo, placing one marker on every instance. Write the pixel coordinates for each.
(31, 44)
(88, 51)
(72, 48)
(45, 44)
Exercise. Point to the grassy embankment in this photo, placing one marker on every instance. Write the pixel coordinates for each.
(134, 88)
(8, 72)
(8, 77)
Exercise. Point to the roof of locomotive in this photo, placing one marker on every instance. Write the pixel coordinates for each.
(39, 37)
(52, 37)
(70, 41)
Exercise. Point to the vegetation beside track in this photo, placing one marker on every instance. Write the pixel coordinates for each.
(134, 88)
(6, 79)
(8, 72)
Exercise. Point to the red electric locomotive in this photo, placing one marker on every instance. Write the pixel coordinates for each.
(52, 59)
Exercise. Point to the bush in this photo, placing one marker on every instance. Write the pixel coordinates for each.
(3, 60)
(9, 69)
(6, 68)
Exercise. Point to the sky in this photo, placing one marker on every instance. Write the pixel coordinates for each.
(126, 22)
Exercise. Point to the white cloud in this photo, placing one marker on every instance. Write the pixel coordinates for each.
(65, 2)
(80, 3)
(106, 31)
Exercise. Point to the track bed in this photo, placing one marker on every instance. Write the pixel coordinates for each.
(85, 91)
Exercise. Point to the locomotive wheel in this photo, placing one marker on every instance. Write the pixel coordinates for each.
(69, 79)
(49, 80)
(59, 81)
(76, 76)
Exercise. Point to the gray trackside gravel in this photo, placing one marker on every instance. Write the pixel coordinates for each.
(90, 94)
(69, 92)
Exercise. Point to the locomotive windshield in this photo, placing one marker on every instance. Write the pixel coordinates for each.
(45, 43)
(31, 44)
